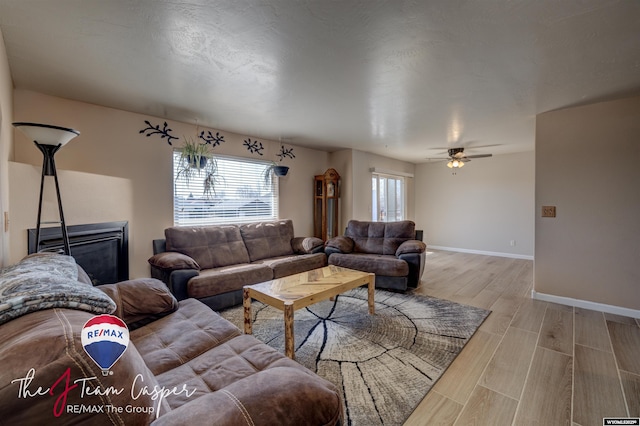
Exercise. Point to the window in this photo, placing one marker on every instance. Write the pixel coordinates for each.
(241, 193)
(387, 204)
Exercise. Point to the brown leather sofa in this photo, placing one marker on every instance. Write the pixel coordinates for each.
(213, 263)
(184, 365)
(388, 249)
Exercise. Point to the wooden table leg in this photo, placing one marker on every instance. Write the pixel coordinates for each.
(371, 292)
(246, 303)
(289, 344)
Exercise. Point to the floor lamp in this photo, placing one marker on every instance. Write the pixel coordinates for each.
(49, 139)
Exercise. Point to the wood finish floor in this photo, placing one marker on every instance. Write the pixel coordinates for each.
(531, 362)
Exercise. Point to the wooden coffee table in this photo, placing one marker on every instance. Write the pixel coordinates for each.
(301, 290)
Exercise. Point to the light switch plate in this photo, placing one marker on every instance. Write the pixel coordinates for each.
(548, 211)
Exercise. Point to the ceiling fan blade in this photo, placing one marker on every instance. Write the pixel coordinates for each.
(472, 147)
(479, 156)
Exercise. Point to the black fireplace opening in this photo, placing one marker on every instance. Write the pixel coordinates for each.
(102, 249)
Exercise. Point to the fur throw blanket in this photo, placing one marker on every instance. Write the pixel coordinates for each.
(46, 281)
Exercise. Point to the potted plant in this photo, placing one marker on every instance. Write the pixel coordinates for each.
(197, 161)
(274, 169)
(278, 169)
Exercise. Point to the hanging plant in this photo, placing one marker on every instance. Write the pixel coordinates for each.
(197, 161)
(278, 169)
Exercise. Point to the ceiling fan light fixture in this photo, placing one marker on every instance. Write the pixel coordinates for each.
(460, 163)
(450, 164)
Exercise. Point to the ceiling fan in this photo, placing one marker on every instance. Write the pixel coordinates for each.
(457, 158)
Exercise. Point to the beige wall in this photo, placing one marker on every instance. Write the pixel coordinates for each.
(354, 168)
(362, 163)
(342, 162)
(482, 208)
(110, 145)
(81, 201)
(587, 165)
(6, 142)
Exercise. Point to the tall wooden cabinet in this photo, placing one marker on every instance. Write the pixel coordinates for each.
(325, 205)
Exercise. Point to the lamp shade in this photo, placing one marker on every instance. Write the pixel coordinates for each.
(47, 134)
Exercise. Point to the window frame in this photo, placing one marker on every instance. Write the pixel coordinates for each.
(375, 203)
(233, 179)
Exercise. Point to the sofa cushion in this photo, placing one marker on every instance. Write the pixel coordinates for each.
(379, 237)
(232, 378)
(378, 264)
(268, 239)
(229, 377)
(209, 246)
(215, 281)
(342, 243)
(306, 245)
(174, 340)
(140, 301)
(289, 265)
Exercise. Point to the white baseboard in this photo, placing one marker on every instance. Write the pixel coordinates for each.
(486, 253)
(585, 304)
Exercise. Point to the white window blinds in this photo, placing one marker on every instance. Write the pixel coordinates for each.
(240, 193)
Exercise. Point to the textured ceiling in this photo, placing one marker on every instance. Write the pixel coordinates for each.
(397, 78)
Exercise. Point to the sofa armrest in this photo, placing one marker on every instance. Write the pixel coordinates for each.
(140, 301)
(307, 245)
(178, 280)
(175, 270)
(411, 246)
(339, 244)
(172, 261)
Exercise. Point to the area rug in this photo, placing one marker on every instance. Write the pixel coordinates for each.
(383, 364)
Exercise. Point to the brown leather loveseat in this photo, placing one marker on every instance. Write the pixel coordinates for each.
(184, 364)
(213, 263)
(388, 249)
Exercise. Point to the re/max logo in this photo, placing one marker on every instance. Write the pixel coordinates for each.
(104, 332)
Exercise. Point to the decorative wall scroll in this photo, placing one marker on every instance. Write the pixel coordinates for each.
(285, 153)
(156, 130)
(254, 147)
(209, 138)
(165, 132)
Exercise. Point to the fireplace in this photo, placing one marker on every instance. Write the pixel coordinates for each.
(102, 249)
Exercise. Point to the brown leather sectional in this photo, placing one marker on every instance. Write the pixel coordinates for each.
(185, 365)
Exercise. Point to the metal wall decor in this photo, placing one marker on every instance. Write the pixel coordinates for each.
(165, 132)
(285, 153)
(209, 138)
(156, 130)
(254, 147)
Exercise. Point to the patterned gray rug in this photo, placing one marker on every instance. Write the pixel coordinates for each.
(384, 364)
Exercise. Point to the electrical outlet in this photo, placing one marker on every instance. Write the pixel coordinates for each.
(512, 243)
(548, 211)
